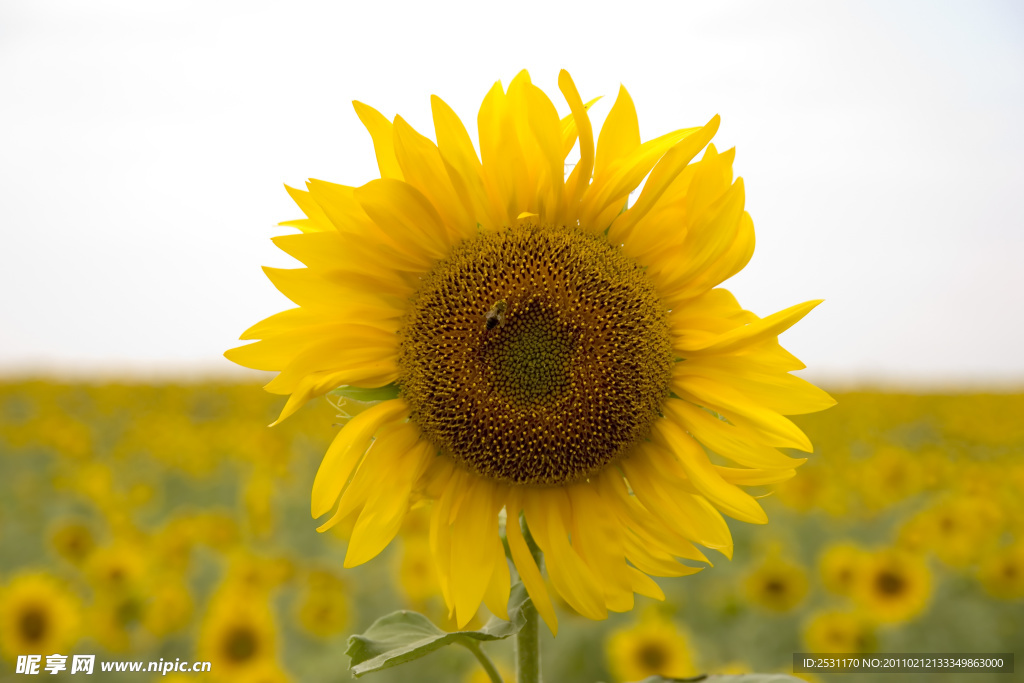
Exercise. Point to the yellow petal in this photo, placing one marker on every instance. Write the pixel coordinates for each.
(663, 175)
(361, 356)
(383, 142)
(577, 184)
(311, 386)
(752, 333)
(472, 545)
(347, 449)
(423, 169)
(731, 261)
(690, 514)
(569, 131)
(496, 597)
(385, 508)
(776, 390)
(651, 560)
(740, 409)
(645, 585)
(649, 526)
(374, 469)
(309, 288)
(545, 130)
(499, 153)
(623, 177)
(707, 241)
(527, 569)
(599, 541)
(728, 498)
(368, 246)
(726, 439)
(753, 477)
(462, 164)
(620, 134)
(402, 212)
(548, 514)
(441, 536)
(318, 220)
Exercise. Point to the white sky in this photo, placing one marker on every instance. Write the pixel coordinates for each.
(143, 147)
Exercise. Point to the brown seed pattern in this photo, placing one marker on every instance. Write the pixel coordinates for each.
(571, 378)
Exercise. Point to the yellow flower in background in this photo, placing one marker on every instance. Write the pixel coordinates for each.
(478, 675)
(168, 608)
(959, 530)
(895, 585)
(172, 544)
(113, 618)
(776, 584)
(651, 647)
(1002, 573)
(117, 569)
(817, 488)
(73, 540)
(217, 529)
(841, 567)
(257, 573)
(417, 575)
(556, 348)
(838, 632)
(258, 498)
(888, 477)
(238, 635)
(38, 615)
(323, 607)
(67, 436)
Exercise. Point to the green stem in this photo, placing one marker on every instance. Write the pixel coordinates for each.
(485, 661)
(528, 639)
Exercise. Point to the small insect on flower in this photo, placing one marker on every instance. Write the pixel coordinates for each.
(495, 317)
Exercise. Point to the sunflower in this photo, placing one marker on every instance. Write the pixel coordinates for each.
(891, 475)
(113, 619)
(839, 632)
(169, 608)
(117, 569)
(1002, 573)
(651, 647)
(414, 568)
(817, 488)
(73, 541)
(777, 584)
(238, 634)
(840, 566)
(894, 586)
(479, 675)
(323, 608)
(537, 346)
(38, 615)
(962, 529)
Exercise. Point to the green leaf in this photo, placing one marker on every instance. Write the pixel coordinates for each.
(384, 393)
(715, 678)
(403, 636)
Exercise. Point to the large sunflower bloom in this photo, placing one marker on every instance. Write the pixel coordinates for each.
(556, 354)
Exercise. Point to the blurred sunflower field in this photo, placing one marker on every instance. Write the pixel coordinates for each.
(146, 522)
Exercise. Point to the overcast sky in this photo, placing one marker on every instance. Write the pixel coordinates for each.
(143, 148)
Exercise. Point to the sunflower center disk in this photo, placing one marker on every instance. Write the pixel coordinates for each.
(535, 355)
